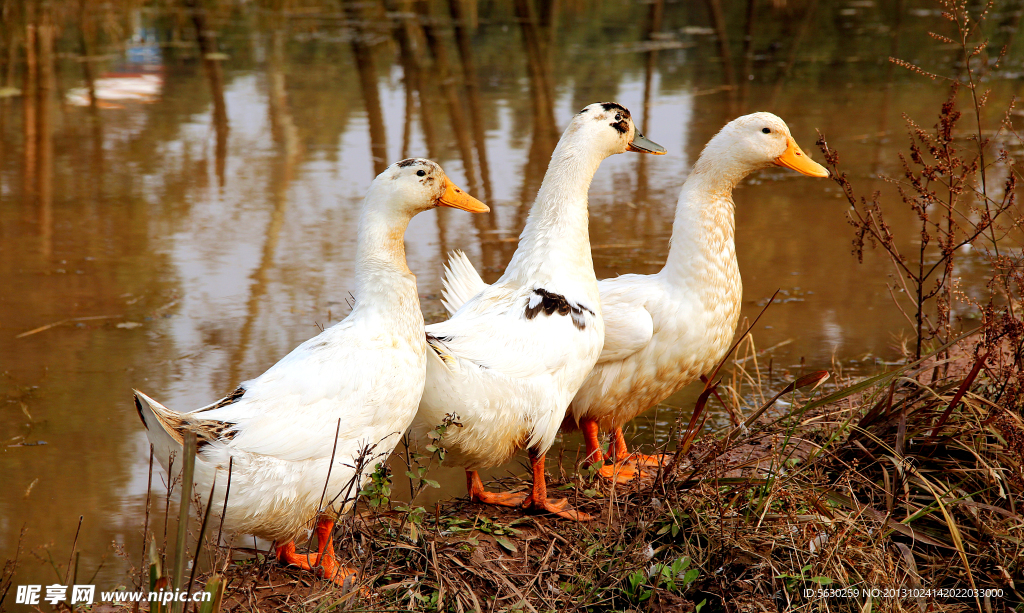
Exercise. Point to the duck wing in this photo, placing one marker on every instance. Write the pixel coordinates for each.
(460, 282)
(628, 325)
(292, 412)
(521, 333)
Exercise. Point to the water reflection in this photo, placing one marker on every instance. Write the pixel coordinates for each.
(209, 255)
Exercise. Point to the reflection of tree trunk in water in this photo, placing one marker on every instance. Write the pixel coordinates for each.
(207, 40)
(86, 30)
(654, 18)
(791, 60)
(453, 99)
(724, 53)
(748, 56)
(90, 82)
(1010, 24)
(12, 58)
(485, 224)
(410, 108)
(44, 176)
(282, 125)
(29, 99)
(890, 76)
(286, 137)
(411, 44)
(367, 68)
(465, 44)
(542, 89)
(547, 22)
(545, 132)
(8, 47)
(409, 34)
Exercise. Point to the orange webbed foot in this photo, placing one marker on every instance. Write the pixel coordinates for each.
(620, 473)
(557, 506)
(324, 563)
(538, 499)
(504, 499)
(477, 493)
(649, 461)
(287, 555)
(331, 570)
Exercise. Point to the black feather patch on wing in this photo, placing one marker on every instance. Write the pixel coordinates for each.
(225, 401)
(551, 303)
(436, 343)
(211, 431)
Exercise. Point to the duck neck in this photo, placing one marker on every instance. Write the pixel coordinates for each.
(380, 254)
(703, 234)
(556, 238)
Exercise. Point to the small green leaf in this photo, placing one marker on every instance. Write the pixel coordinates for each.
(432, 483)
(690, 576)
(821, 580)
(505, 543)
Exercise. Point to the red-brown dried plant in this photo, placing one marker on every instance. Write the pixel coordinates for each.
(945, 183)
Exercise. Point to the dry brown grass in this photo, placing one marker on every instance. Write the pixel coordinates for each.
(853, 489)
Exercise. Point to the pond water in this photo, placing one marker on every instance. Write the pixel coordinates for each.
(179, 241)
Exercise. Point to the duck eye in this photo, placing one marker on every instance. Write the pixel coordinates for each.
(421, 173)
(766, 130)
(618, 116)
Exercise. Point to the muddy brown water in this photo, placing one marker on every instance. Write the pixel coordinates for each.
(178, 241)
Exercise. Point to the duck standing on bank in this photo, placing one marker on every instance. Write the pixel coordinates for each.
(511, 358)
(347, 394)
(663, 331)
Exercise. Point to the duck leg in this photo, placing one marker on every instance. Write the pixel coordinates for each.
(622, 453)
(617, 472)
(538, 498)
(323, 562)
(477, 493)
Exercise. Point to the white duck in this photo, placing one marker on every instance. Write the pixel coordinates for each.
(510, 360)
(348, 393)
(663, 331)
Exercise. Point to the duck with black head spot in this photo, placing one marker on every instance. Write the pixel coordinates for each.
(511, 358)
(294, 435)
(663, 331)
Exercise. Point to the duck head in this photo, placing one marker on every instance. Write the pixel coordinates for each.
(416, 185)
(609, 128)
(757, 141)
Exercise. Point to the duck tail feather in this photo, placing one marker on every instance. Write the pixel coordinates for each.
(160, 423)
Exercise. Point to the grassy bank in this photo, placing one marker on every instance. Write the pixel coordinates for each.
(867, 488)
